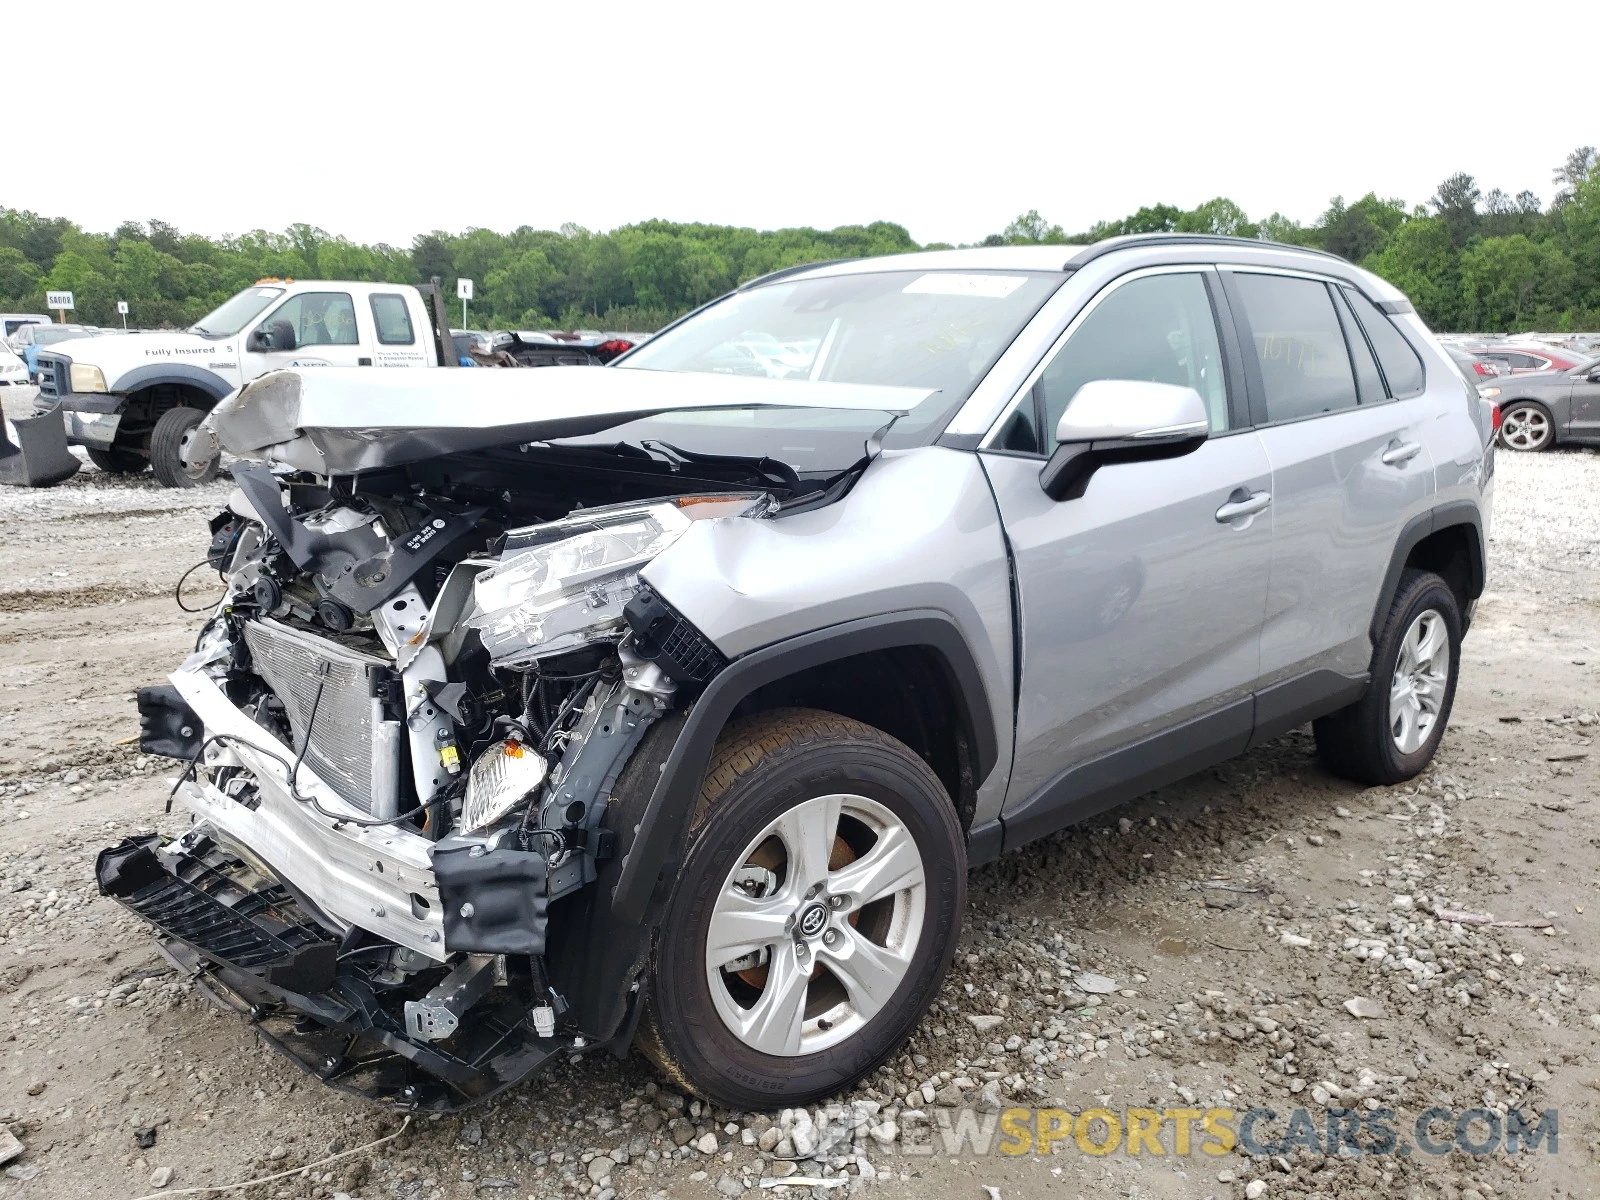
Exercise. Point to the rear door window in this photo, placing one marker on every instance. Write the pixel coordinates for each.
(393, 320)
(1298, 344)
(1402, 369)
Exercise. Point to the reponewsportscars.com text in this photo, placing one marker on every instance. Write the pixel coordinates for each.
(1254, 1132)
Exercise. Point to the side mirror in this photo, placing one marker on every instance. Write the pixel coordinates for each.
(1121, 420)
(277, 336)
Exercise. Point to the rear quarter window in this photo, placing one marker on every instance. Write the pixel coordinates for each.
(1402, 368)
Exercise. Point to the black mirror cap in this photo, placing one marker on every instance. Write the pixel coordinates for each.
(1067, 473)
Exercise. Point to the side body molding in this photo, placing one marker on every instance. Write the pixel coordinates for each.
(666, 816)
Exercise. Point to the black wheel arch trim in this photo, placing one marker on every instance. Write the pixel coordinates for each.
(187, 374)
(1423, 525)
(666, 816)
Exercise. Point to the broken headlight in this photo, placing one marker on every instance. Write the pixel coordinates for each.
(551, 593)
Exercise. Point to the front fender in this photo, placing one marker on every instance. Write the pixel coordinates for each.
(151, 374)
(648, 869)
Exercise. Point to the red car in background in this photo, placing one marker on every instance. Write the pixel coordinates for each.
(1520, 360)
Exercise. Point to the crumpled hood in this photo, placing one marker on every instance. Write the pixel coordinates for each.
(341, 420)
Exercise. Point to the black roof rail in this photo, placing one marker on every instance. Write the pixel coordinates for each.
(1111, 245)
(782, 272)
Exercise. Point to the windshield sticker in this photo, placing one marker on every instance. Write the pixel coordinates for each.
(951, 283)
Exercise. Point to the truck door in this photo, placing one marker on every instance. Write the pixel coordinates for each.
(309, 329)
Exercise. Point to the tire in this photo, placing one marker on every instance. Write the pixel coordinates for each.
(1526, 426)
(169, 444)
(773, 779)
(117, 460)
(1371, 741)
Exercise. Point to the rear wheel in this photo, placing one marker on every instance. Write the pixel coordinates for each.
(181, 453)
(117, 460)
(1391, 733)
(1525, 425)
(816, 913)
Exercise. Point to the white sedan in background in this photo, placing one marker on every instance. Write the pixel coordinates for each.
(16, 393)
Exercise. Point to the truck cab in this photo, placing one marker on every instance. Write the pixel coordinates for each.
(140, 399)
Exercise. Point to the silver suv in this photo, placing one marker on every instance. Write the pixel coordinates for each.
(668, 703)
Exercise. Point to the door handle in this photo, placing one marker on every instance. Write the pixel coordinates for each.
(1401, 452)
(1243, 503)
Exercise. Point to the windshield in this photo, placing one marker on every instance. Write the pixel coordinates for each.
(233, 315)
(940, 330)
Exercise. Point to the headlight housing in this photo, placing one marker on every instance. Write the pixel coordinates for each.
(552, 593)
(86, 378)
(504, 773)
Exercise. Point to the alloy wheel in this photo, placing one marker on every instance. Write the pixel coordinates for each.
(1417, 688)
(816, 926)
(1524, 427)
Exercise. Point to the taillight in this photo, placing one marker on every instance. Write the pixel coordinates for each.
(606, 351)
(1483, 368)
(1494, 416)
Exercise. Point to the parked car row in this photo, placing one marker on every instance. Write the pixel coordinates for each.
(1548, 394)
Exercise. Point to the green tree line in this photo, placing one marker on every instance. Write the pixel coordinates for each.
(1469, 259)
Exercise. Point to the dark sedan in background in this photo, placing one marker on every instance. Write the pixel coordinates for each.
(1548, 408)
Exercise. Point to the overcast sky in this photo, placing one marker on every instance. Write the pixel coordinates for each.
(379, 121)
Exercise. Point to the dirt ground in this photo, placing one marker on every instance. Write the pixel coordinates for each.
(1232, 917)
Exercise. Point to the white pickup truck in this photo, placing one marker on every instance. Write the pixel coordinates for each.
(139, 399)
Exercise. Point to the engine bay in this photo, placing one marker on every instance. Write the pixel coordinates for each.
(401, 727)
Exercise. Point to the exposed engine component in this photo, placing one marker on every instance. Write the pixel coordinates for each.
(412, 709)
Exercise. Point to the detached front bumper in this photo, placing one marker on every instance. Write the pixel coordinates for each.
(239, 929)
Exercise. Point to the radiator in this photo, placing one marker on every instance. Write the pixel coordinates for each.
(351, 747)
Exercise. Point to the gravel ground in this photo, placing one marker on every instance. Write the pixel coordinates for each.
(1210, 945)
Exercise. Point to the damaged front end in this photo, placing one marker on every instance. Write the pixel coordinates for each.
(403, 729)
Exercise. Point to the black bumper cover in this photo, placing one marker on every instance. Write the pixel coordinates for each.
(228, 924)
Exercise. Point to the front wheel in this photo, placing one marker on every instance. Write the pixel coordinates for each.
(1391, 733)
(815, 915)
(117, 460)
(181, 453)
(1526, 426)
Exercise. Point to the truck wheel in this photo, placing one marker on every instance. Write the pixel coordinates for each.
(1391, 733)
(817, 910)
(117, 460)
(180, 456)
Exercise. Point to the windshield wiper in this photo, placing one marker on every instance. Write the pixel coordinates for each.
(769, 472)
